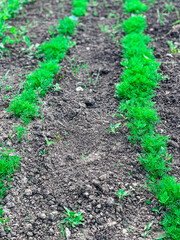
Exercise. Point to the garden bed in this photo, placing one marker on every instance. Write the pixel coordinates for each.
(85, 165)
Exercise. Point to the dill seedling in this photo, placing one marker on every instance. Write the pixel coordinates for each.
(80, 7)
(25, 106)
(20, 131)
(135, 6)
(66, 26)
(8, 164)
(55, 49)
(135, 24)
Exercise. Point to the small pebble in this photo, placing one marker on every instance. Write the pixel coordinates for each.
(79, 89)
(28, 192)
(42, 215)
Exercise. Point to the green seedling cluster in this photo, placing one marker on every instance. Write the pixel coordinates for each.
(134, 6)
(8, 164)
(136, 90)
(55, 49)
(73, 219)
(80, 7)
(66, 27)
(3, 223)
(26, 104)
(20, 132)
(135, 24)
(121, 194)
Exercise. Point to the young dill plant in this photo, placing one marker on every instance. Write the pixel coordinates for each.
(42, 78)
(20, 131)
(55, 49)
(80, 7)
(67, 26)
(135, 6)
(8, 164)
(25, 106)
(135, 24)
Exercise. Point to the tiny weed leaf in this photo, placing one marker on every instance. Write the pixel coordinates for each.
(121, 193)
(63, 232)
(155, 210)
(48, 142)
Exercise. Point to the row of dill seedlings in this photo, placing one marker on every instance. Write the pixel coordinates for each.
(26, 104)
(135, 91)
(8, 162)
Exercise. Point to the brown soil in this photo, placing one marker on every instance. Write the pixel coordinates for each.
(86, 165)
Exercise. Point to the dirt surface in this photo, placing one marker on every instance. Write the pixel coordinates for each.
(86, 165)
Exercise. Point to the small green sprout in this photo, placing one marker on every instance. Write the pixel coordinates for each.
(8, 88)
(48, 142)
(63, 232)
(155, 210)
(104, 28)
(3, 222)
(73, 219)
(83, 156)
(122, 194)
(10, 136)
(57, 87)
(176, 22)
(147, 228)
(114, 128)
(43, 152)
(20, 132)
(173, 47)
(58, 138)
(95, 4)
(17, 33)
